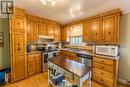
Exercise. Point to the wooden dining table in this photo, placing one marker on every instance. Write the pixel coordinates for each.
(81, 72)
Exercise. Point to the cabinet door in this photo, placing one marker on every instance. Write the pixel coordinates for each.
(18, 24)
(18, 40)
(87, 31)
(111, 29)
(18, 58)
(42, 29)
(97, 30)
(35, 31)
(64, 34)
(50, 30)
(57, 35)
(31, 66)
(38, 64)
(29, 37)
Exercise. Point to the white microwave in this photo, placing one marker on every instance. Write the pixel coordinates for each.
(109, 50)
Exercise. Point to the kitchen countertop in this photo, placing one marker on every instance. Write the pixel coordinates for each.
(91, 53)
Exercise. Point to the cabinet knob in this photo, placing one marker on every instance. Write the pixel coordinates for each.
(18, 49)
(109, 33)
(102, 61)
(96, 33)
(18, 23)
(102, 80)
(102, 73)
(102, 67)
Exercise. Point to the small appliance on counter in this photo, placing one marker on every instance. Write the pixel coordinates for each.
(31, 47)
(110, 50)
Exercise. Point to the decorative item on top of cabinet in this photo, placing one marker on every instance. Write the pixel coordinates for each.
(18, 45)
(97, 30)
(111, 28)
(105, 71)
(87, 31)
(34, 63)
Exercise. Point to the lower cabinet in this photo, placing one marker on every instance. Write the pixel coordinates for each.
(105, 71)
(34, 64)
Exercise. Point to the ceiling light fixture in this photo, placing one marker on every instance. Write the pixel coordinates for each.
(48, 3)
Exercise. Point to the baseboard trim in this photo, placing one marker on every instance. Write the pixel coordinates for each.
(123, 81)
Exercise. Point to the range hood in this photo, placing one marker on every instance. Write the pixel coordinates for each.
(45, 37)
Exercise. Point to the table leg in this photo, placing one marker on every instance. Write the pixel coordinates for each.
(89, 80)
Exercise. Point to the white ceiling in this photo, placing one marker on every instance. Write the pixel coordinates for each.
(66, 11)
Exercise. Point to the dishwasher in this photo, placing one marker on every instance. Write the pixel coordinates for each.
(85, 59)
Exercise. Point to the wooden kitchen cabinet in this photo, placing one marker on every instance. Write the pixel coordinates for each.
(38, 63)
(97, 30)
(64, 34)
(32, 31)
(18, 61)
(42, 29)
(34, 64)
(50, 30)
(31, 66)
(57, 33)
(18, 24)
(105, 71)
(111, 29)
(87, 31)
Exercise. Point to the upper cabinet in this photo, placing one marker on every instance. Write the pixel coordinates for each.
(111, 29)
(42, 29)
(19, 24)
(101, 29)
(57, 33)
(50, 30)
(97, 30)
(32, 30)
(87, 31)
(37, 26)
(64, 34)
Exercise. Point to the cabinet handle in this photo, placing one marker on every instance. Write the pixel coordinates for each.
(109, 33)
(86, 34)
(96, 33)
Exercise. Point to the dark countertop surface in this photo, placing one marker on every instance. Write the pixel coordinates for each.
(74, 67)
(91, 53)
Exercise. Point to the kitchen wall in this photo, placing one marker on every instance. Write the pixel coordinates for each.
(4, 51)
(124, 62)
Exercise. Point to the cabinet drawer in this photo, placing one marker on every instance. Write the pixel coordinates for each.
(38, 55)
(104, 81)
(30, 56)
(103, 73)
(104, 61)
(103, 67)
